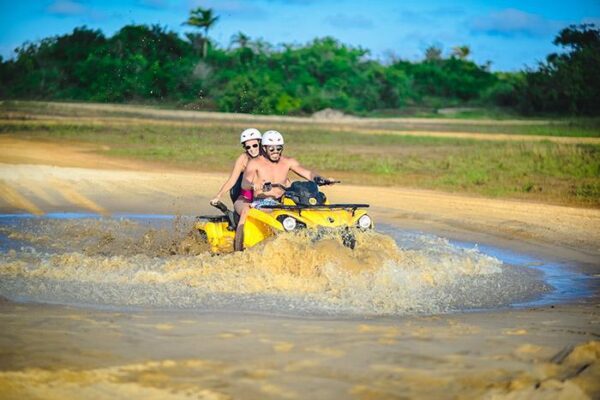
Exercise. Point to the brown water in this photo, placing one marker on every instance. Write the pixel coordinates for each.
(140, 311)
(124, 263)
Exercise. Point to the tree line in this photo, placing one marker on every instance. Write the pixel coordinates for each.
(142, 63)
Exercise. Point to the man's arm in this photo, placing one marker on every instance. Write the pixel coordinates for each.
(300, 170)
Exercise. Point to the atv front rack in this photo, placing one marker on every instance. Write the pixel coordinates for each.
(315, 207)
(300, 207)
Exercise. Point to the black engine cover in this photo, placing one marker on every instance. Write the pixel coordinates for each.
(305, 193)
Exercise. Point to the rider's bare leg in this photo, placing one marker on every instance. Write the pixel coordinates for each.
(241, 207)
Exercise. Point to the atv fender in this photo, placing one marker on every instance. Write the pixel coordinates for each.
(269, 219)
(219, 237)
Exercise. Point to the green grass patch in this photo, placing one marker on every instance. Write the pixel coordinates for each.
(544, 171)
(481, 122)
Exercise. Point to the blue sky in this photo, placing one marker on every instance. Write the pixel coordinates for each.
(510, 34)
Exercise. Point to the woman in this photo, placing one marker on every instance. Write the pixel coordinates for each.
(242, 198)
(250, 140)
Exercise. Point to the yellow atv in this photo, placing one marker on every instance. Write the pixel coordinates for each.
(302, 206)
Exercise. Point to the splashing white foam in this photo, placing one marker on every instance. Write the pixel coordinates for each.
(292, 273)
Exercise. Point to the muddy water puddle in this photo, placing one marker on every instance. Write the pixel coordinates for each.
(139, 312)
(563, 279)
(148, 261)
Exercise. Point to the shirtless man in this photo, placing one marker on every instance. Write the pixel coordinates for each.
(271, 167)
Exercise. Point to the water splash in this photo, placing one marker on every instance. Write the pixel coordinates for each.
(127, 262)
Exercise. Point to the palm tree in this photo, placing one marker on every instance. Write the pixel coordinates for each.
(202, 18)
(261, 46)
(433, 53)
(241, 39)
(461, 52)
(197, 40)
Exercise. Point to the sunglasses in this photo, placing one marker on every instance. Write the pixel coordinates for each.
(254, 146)
(272, 149)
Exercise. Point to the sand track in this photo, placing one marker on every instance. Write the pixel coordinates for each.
(40, 177)
(148, 111)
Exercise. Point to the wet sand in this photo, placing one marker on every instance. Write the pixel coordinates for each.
(62, 352)
(54, 351)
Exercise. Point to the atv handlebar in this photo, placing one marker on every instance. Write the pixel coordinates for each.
(324, 182)
(221, 206)
(268, 186)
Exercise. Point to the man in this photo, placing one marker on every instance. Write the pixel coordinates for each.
(271, 167)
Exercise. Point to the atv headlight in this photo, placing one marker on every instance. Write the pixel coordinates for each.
(289, 224)
(364, 222)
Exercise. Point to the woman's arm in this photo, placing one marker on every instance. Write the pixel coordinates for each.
(238, 168)
(250, 174)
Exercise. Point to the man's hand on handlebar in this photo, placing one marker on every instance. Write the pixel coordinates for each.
(268, 186)
(319, 180)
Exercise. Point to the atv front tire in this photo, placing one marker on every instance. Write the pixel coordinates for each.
(348, 239)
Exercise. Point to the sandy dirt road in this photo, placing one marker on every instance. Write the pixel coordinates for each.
(148, 111)
(39, 177)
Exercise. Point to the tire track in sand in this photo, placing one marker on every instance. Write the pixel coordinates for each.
(72, 195)
(16, 200)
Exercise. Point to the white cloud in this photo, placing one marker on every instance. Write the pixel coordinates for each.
(429, 17)
(511, 22)
(344, 21)
(66, 8)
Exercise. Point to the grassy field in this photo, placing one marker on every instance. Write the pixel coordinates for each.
(525, 169)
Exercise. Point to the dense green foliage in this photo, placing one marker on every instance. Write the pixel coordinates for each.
(148, 63)
(568, 82)
(138, 62)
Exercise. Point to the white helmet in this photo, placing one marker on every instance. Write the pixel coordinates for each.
(250, 134)
(272, 138)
